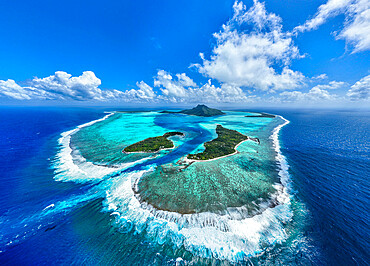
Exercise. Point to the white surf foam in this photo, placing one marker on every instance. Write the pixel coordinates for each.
(70, 165)
(280, 158)
(204, 234)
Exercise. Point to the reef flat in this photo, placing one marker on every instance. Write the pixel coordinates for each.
(207, 206)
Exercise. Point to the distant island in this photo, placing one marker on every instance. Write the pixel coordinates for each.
(225, 144)
(261, 115)
(199, 110)
(153, 144)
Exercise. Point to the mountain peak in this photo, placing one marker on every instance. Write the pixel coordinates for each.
(202, 110)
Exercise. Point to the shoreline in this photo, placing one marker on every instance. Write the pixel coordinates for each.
(239, 228)
(63, 162)
(227, 155)
(199, 223)
(150, 152)
(72, 131)
(153, 152)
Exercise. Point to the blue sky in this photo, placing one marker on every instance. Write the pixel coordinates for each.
(255, 53)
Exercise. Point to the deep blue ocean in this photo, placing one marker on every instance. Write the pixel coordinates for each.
(329, 156)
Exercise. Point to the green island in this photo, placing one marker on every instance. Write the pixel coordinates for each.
(223, 145)
(153, 144)
(199, 110)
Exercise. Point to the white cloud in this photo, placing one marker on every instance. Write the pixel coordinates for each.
(312, 96)
(333, 85)
(184, 89)
(170, 87)
(185, 81)
(246, 57)
(62, 86)
(356, 29)
(331, 9)
(252, 52)
(144, 92)
(360, 90)
(226, 93)
(11, 89)
(321, 76)
(256, 15)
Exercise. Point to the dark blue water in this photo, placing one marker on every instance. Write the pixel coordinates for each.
(28, 138)
(329, 156)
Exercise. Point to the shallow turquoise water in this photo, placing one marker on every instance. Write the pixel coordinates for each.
(59, 207)
(103, 142)
(228, 208)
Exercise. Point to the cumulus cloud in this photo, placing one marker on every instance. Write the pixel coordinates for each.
(356, 26)
(226, 93)
(321, 76)
(332, 85)
(11, 89)
(184, 89)
(173, 88)
(330, 9)
(312, 96)
(360, 90)
(252, 53)
(63, 86)
(250, 49)
(177, 88)
(185, 81)
(144, 92)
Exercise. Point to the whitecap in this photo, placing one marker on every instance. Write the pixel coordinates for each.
(206, 234)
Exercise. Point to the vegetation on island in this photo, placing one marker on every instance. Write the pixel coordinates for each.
(153, 144)
(199, 110)
(223, 145)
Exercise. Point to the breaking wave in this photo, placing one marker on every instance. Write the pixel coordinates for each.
(230, 236)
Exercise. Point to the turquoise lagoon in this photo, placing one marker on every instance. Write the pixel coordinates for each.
(230, 208)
